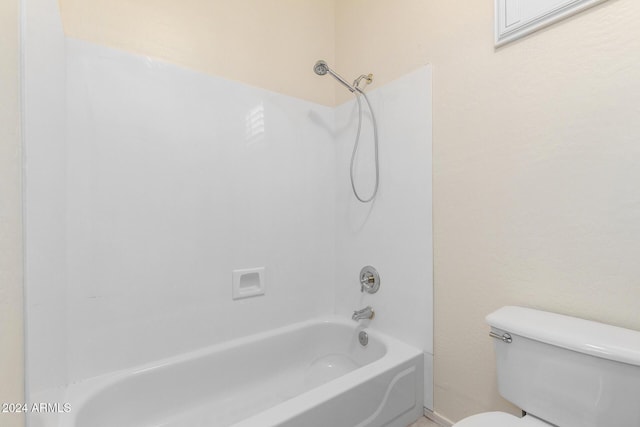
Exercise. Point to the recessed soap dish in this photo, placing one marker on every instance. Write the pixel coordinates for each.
(248, 282)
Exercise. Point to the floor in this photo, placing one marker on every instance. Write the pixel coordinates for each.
(424, 422)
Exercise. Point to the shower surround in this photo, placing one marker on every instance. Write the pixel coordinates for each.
(147, 184)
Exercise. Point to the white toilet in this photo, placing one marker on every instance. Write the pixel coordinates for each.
(563, 371)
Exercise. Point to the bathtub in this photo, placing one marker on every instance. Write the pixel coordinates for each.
(310, 374)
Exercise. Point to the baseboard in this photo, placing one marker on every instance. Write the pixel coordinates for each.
(437, 418)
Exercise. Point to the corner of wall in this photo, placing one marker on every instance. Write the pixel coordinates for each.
(11, 273)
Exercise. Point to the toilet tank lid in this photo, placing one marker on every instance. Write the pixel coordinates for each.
(584, 336)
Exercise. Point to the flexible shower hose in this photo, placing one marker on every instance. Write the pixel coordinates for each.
(355, 147)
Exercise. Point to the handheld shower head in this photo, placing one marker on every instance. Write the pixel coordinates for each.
(321, 68)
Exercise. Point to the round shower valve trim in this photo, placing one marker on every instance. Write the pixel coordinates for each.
(369, 280)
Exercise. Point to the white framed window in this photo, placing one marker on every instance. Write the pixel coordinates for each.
(517, 18)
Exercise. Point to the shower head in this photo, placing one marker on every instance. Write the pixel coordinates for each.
(321, 68)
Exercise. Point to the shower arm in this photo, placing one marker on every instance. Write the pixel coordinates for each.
(341, 79)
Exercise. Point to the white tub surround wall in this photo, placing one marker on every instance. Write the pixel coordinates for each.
(175, 180)
(393, 233)
(166, 181)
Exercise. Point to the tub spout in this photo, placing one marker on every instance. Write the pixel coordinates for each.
(365, 313)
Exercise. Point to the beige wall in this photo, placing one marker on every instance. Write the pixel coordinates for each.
(536, 167)
(11, 330)
(266, 43)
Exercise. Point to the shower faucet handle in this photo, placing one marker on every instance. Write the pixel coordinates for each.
(369, 280)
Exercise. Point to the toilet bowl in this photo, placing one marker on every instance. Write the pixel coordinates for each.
(563, 371)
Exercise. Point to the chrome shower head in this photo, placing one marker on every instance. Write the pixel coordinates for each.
(321, 68)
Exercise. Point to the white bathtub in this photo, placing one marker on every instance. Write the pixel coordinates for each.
(311, 374)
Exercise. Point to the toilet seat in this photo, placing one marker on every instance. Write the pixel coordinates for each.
(500, 419)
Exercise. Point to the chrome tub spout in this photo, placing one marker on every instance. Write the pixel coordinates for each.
(365, 313)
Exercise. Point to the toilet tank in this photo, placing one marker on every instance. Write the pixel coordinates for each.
(566, 371)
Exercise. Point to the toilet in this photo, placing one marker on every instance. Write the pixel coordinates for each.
(563, 371)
